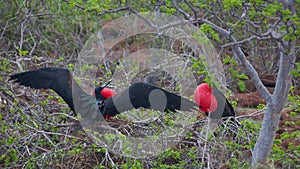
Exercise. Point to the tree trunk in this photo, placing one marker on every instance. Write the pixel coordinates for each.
(264, 143)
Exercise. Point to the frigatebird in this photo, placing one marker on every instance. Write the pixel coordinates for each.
(207, 99)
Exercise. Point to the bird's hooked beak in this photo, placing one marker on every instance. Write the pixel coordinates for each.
(106, 84)
(97, 90)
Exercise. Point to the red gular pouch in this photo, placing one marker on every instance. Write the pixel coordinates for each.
(106, 93)
(205, 99)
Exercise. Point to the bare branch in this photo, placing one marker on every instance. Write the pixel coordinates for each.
(245, 41)
(253, 73)
(179, 9)
(284, 79)
(191, 7)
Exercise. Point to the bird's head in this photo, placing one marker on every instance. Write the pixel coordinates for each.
(104, 93)
(204, 97)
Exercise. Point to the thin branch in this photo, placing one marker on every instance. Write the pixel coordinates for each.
(179, 9)
(245, 41)
(284, 79)
(113, 10)
(191, 7)
(256, 113)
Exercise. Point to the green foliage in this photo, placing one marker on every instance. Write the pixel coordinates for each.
(294, 101)
(229, 4)
(209, 31)
(288, 155)
(22, 52)
(134, 163)
(251, 126)
(200, 66)
(235, 74)
(52, 37)
(261, 106)
(239, 149)
(168, 10)
(296, 72)
(4, 65)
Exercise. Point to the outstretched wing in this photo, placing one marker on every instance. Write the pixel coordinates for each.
(147, 96)
(61, 81)
(56, 79)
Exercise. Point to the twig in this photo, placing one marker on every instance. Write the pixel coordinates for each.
(252, 114)
(245, 41)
